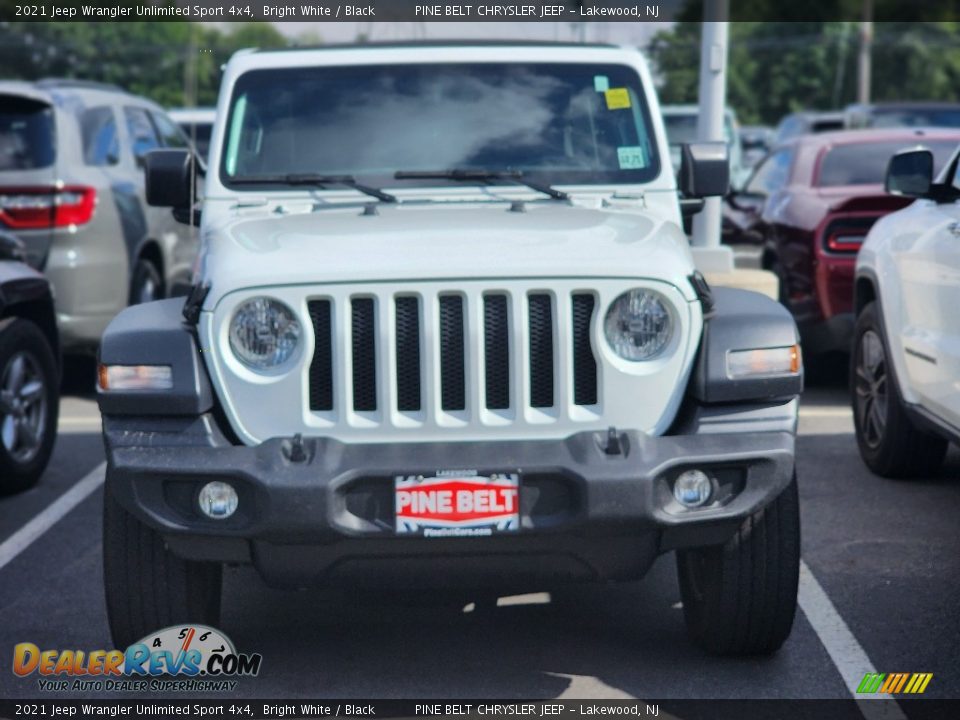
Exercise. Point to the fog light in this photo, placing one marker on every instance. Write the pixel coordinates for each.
(218, 500)
(693, 488)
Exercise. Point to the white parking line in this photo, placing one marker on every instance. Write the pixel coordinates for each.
(847, 654)
(50, 515)
(815, 411)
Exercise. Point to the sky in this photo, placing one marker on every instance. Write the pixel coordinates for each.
(626, 33)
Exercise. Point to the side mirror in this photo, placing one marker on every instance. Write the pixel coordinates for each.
(168, 178)
(704, 170)
(910, 173)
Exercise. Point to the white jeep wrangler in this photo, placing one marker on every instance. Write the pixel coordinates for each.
(446, 328)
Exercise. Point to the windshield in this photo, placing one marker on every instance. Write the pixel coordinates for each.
(916, 117)
(26, 134)
(557, 123)
(866, 163)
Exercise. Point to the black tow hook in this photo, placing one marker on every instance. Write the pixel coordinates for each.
(293, 449)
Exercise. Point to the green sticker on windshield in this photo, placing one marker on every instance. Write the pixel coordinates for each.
(601, 83)
(633, 157)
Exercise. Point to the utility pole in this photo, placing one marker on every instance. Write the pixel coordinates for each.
(864, 59)
(708, 254)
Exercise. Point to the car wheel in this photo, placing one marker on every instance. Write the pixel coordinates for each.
(890, 444)
(146, 284)
(740, 598)
(29, 404)
(148, 587)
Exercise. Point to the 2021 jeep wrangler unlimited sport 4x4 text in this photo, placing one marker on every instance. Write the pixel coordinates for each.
(446, 328)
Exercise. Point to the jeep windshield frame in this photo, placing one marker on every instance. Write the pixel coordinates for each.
(551, 123)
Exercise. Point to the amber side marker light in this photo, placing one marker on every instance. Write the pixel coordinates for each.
(135, 377)
(764, 362)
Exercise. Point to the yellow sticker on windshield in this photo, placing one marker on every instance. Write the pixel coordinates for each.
(617, 98)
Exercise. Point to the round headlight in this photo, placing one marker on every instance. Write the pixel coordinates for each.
(264, 333)
(638, 325)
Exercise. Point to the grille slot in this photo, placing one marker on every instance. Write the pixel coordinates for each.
(452, 354)
(540, 327)
(408, 354)
(584, 363)
(321, 367)
(363, 330)
(496, 352)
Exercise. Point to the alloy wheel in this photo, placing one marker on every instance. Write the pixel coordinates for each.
(23, 407)
(872, 388)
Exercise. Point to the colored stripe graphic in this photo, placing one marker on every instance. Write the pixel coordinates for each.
(894, 683)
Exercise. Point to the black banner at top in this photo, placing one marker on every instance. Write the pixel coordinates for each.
(250, 709)
(566, 11)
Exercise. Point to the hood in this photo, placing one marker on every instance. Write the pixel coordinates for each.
(442, 241)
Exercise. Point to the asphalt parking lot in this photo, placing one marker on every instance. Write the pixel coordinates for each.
(878, 593)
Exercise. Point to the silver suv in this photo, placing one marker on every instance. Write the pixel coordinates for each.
(72, 189)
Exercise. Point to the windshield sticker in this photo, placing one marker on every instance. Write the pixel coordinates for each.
(601, 83)
(633, 157)
(617, 98)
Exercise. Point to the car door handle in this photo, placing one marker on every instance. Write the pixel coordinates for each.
(954, 228)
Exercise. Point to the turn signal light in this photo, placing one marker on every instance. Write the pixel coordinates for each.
(764, 362)
(135, 377)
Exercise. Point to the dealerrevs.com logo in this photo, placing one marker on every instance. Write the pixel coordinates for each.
(180, 658)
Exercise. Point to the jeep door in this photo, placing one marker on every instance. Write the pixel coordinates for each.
(927, 261)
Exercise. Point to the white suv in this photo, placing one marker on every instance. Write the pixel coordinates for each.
(906, 354)
(446, 328)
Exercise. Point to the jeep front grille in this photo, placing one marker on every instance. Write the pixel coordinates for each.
(492, 352)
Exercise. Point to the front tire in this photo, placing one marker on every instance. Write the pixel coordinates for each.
(740, 598)
(29, 404)
(890, 444)
(147, 587)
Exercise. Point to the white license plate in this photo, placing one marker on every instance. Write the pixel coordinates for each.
(457, 504)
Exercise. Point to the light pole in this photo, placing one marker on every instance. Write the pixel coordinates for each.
(864, 58)
(707, 251)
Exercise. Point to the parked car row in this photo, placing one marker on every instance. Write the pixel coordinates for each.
(78, 243)
(809, 206)
(72, 190)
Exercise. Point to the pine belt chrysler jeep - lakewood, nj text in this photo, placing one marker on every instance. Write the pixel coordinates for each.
(446, 329)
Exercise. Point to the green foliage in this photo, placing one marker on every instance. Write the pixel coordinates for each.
(778, 67)
(160, 60)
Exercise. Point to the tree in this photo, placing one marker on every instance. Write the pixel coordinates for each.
(780, 67)
(145, 58)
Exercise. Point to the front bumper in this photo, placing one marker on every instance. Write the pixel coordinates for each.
(585, 514)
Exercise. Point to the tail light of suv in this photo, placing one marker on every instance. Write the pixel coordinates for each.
(37, 208)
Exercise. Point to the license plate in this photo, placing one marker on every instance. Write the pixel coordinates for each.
(457, 504)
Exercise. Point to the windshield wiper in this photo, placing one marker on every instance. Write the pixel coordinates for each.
(467, 175)
(315, 180)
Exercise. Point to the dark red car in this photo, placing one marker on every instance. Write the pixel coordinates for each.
(810, 204)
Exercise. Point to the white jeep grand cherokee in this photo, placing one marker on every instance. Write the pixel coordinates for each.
(906, 348)
(446, 328)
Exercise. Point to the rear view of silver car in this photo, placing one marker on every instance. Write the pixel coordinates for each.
(71, 189)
